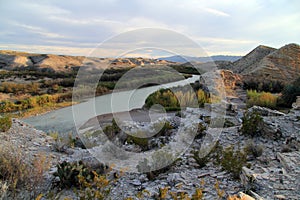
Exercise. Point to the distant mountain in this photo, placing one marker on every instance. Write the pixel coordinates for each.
(183, 59)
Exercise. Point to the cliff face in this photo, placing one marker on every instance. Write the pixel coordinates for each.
(10, 60)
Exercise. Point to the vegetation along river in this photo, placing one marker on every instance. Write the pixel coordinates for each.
(63, 120)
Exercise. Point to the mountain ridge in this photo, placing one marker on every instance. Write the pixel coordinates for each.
(183, 58)
(268, 64)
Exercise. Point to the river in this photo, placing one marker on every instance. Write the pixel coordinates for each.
(65, 120)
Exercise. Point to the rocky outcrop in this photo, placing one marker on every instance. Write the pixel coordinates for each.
(265, 111)
(231, 80)
(10, 60)
(296, 105)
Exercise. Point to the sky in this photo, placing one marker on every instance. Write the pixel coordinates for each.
(223, 27)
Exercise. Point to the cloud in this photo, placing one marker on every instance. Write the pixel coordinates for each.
(39, 31)
(216, 12)
(217, 26)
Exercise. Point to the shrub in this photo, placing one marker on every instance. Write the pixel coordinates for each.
(266, 86)
(140, 141)
(13, 169)
(264, 99)
(178, 97)
(5, 123)
(251, 124)
(290, 93)
(233, 161)
(96, 189)
(112, 130)
(68, 173)
(253, 149)
(214, 155)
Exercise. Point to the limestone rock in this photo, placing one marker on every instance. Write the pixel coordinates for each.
(265, 111)
(296, 105)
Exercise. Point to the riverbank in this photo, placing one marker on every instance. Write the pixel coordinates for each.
(135, 115)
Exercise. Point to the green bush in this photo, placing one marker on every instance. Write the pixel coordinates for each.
(112, 130)
(290, 93)
(251, 124)
(68, 173)
(214, 155)
(140, 141)
(233, 161)
(265, 86)
(5, 123)
(178, 97)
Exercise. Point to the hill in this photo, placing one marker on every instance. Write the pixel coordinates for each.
(10, 60)
(267, 63)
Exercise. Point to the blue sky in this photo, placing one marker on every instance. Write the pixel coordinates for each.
(227, 27)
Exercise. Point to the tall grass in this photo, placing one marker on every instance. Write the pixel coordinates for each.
(264, 99)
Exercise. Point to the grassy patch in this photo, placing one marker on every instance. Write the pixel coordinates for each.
(5, 123)
(264, 99)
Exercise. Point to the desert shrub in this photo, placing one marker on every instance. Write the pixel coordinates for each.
(32, 102)
(185, 68)
(89, 184)
(202, 97)
(178, 97)
(63, 142)
(19, 88)
(214, 155)
(201, 161)
(251, 124)
(5, 123)
(13, 169)
(140, 141)
(253, 149)
(96, 189)
(233, 161)
(68, 173)
(162, 127)
(264, 99)
(112, 130)
(266, 86)
(290, 93)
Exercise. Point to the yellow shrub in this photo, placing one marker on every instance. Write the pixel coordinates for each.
(264, 99)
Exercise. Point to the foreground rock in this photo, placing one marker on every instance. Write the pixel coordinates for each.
(272, 174)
